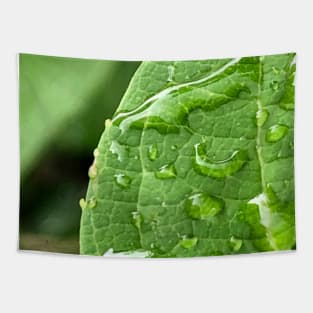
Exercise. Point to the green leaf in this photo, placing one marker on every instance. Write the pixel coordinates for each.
(197, 161)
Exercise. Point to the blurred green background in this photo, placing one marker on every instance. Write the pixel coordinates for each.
(63, 104)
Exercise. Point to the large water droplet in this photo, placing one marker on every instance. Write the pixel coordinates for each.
(153, 152)
(156, 112)
(274, 221)
(274, 85)
(220, 168)
(235, 243)
(261, 117)
(122, 180)
(276, 132)
(119, 150)
(188, 243)
(202, 205)
(166, 171)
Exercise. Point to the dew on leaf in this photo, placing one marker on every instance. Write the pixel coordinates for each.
(261, 117)
(91, 203)
(173, 147)
(202, 205)
(166, 171)
(171, 70)
(179, 109)
(156, 113)
(218, 169)
(92, 171)
(276, 132)
(153, 152)
(82, 203)
(122, 180)
(119, 150)
(235, 243)
(137, 219)
(96, 152)
(188, 243)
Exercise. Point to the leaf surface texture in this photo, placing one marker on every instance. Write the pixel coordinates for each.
(197, 161)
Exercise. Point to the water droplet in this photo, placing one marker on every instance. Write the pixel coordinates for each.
(188, 243)
(96, 152)
(235, 243)
(274, 222)
(83, 203)
(261, 117)
(276, 132)
(119, 150)
(156, 112)
(153, 152)
(202, 205)
(218, 169)
(242, 138)
(92, 172)
(137, 219)
(91, 203)
(107, 123)
(173, 147)
(122, 180)
(163, 204)
(274, 85)
(170, 70)
(166, 171)
(155, 122)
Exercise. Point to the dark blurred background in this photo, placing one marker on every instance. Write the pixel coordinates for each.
(63, 105)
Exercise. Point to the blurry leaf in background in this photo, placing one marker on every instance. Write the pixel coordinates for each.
(63, 105)
(67, 99)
